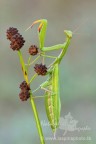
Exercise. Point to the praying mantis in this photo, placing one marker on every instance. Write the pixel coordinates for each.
(51, 85)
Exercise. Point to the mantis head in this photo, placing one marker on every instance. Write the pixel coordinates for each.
(68, 33)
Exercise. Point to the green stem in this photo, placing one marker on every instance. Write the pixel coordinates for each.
(34, 76)
(23, 66)
(37, 120)
(31, 99)
(29, 59)
(34, 60)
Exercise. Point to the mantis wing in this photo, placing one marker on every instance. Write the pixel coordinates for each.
(52, 100)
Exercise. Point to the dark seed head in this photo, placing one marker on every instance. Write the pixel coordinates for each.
(11, 32)
(33, 50)
(25, 91)
(24, 86)
(24, 95)
(40, 69)
(17, 42)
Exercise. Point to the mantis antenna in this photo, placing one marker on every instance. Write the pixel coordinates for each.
(78, 27)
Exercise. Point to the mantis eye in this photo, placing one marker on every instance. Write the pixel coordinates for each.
(68, 33)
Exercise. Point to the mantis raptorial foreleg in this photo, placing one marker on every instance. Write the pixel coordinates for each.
(60, 46)
(48, 56)
(42, 32)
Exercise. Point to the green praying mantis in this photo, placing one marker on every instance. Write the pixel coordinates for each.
(51, 85)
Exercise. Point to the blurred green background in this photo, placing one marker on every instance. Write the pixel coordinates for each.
(77, 70)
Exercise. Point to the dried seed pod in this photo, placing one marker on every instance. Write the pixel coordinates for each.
(24, 86)
(25, 91)
(33, 50)
(24, 95)
(40, 69)
(11, 32)
(17, 42)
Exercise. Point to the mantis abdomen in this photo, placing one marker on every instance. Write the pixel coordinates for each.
(52, 100)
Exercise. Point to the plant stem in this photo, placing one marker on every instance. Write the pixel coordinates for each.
(37, 120)
(34, 60)
(34, 76)
(32, 99)
(23, 66)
